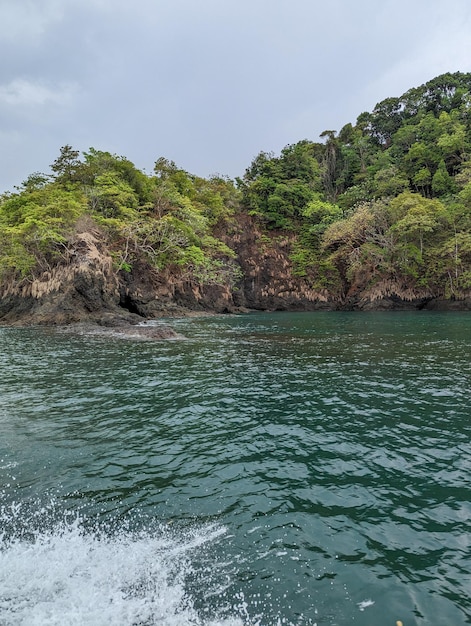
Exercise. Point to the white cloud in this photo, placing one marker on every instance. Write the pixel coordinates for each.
(21, 92)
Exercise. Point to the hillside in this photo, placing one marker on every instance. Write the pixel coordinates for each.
(376, 215)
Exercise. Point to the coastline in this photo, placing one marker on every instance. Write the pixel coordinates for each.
(121, 323)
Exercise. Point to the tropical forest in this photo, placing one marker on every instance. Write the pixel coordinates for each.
(377, 211)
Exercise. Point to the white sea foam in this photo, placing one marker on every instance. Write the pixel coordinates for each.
(68, 575)
(364, 604)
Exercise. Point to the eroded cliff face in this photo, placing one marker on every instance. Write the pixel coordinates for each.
(82, 285)
(268, 281)
(151, 294)
(86, 287)
(388, 294)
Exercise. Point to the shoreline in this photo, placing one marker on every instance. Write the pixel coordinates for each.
(131, 325)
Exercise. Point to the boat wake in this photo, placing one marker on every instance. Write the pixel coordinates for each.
(70, 574)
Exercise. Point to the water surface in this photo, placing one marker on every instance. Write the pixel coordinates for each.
(268, 469)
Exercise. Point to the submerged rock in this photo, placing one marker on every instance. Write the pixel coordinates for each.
(161, 331)
(148, 331)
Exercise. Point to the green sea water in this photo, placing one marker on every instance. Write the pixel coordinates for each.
(265, 469)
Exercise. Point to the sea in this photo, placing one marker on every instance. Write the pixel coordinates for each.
(263, 469)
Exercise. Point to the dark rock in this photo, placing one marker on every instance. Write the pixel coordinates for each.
(86, 287)
(449, 305)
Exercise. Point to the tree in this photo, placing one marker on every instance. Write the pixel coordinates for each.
(389, 182)
(35, 226)
(453, 141)
(112, 197)
(67, 166)
(420, 217)
(278, 188)
(330, 164)
(385, 120)
(98, 163)
(442, 182)
(35, 181)
(319, 215)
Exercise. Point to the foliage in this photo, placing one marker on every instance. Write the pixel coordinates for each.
(278, 188)
(164, 220)
(34, 226)
(386, 198)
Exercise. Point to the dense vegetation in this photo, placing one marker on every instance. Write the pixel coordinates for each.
(164, 220)
(388, 198)
(385, 199)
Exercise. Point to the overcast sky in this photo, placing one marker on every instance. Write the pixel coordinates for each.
(207, 83)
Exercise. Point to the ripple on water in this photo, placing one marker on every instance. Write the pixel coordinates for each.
(335, 450)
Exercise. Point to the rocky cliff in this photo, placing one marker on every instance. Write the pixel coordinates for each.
(85, 286)
(270, 283)
(268, 280)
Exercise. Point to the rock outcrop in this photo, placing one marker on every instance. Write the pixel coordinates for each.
(81, 287)
(85, 287)
(83, 292)
(269, 282)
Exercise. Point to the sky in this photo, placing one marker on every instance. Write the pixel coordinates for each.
(207, 83)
